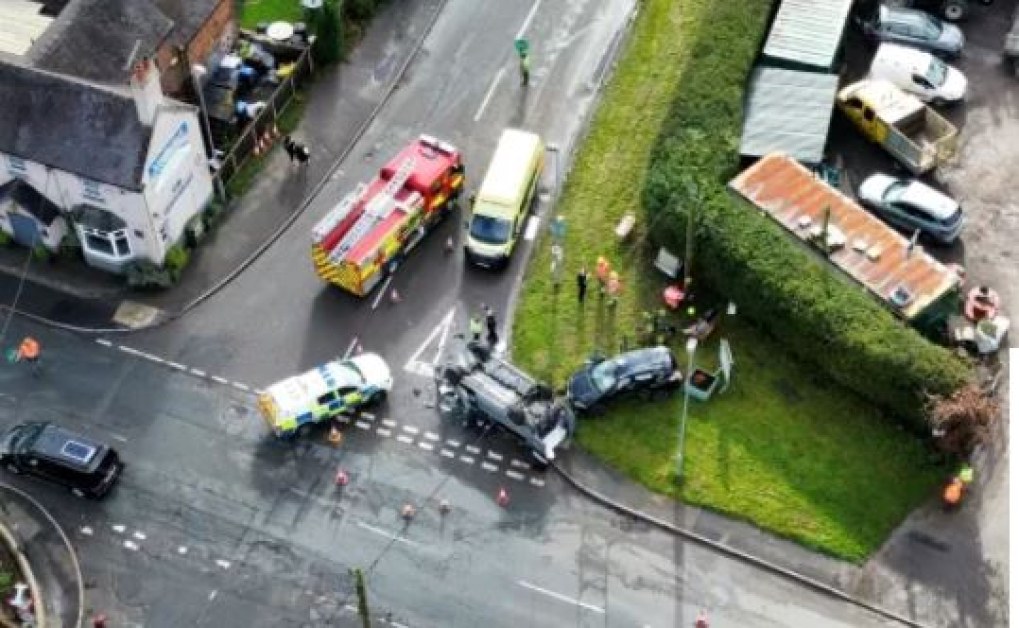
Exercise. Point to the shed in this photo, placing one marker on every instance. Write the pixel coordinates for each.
(789, 112)
(807, 34)
(900, 274)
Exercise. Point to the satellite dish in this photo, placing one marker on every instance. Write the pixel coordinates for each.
(311, 4)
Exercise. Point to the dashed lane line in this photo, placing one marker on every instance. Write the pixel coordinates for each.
(537, 482)
(364, 425)
(452, 443)
(384, 432)
(405, 439)
(389, 422)
(431, 436)
(488, 466)
(472, 449)
(467, 459)
(520, 464)
(410, 429)
(368, 415)
(426, 446)
(177, 366)
(447, 453)
(493, 455)
(516, 475)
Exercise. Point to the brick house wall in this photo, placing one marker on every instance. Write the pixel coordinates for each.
(218, 31)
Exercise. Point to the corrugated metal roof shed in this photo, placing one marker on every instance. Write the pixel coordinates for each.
(808, 32)
(873, 254)
(789, 112)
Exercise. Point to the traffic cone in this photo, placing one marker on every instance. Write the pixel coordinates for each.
(502, 498)
(99, 621)
(342, 479)
(394, 296)
(335, 435)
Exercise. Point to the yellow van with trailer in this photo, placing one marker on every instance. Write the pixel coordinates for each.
(502, 204)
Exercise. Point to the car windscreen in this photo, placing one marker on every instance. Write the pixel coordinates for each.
(490, 230)
(894, 192)
(26, 437)
(355, 373)
(603, 375)
(937, 72)
(930, 27)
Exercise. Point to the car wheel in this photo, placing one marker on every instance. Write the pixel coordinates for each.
(379, 396)
(13, 468)
(954, 10)
(304, 430)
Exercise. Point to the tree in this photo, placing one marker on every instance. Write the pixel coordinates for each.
(328, 39)
(962, 421)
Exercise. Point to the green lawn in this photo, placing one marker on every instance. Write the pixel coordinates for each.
(255, 11)
(783, 448)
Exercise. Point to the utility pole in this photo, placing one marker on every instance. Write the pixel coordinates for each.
(362, 597)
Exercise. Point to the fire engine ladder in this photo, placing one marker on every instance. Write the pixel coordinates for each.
(378, 210)
(337, 214)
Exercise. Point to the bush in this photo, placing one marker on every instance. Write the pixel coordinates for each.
(145, 274)
(326, 26)
(819, 316)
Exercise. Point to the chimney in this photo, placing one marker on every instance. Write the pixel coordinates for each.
(145, 90)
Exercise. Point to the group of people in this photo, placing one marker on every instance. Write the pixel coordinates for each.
(490, 323)
(609, 284)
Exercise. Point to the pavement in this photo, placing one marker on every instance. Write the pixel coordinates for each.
(263, 537)
(52, 561)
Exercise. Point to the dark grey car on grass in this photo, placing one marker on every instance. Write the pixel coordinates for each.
(86, 466)
(642, 370)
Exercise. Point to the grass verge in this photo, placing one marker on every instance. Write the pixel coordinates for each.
(287, 121)
(784, 448)
(255, 11)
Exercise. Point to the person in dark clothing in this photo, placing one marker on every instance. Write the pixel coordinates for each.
(296, 150)
(581, 284)
(490, 322)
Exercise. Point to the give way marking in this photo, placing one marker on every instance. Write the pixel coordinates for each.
(439, 336)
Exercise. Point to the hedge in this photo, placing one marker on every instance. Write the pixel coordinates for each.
(825, 320)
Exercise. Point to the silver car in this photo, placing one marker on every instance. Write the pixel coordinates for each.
(911, 27)
(912, 205)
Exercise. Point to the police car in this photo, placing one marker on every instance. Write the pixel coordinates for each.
(295, 404)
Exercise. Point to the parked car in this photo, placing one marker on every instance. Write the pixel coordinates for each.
(914, 28)
(951, 10)
(86, 466)
(912, 205)
(919, 73)
(641, 370)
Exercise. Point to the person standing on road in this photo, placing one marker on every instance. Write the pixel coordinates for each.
(475, 328)
(29, 351)
(581, 284)
(492, 324)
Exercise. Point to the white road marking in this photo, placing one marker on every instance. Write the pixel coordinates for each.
(225, 564)
(350, 607)
(527, 20)
(350, 347)
(104, 342)
(240, 386)
(561, 597)
(489, 94)
(129, 350)
(405, 439)
(364, 425)
(182, 550)
(118, 528)
(213, 594)
(516, 475)
(447, 453)
(177, 365)
(381, 532)
(198, 372)
(520, 464)
(420, 369)
(472, 449)
(131, 545)
(488, 466)
(87, 531)
(118, 437)
(139, 535)
(410, 429)
(382, 291)
(441, 333)
(537, 482)
(219, 380)
(431, 436)
(368, 415)
(426, 446)
(531, 230)
(389, 422)
(384, 432)
(467, 459)
(493, 455)
(453, 443)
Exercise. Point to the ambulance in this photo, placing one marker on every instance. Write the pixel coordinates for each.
(293, 406)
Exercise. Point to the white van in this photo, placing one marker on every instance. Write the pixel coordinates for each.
(919, 73)
(503, 202)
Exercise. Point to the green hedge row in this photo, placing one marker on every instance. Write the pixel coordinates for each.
(822, 318)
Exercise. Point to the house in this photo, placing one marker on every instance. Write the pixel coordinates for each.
(125, 166)
(96, 40)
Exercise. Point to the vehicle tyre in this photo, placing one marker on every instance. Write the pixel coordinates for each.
(303, 430)
(379, 396)
(538, 460)
(954, 10)
(13, 468)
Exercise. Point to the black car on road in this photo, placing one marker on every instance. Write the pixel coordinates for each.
(641, 370)
(86, 466)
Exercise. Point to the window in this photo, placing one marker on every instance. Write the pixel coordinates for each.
(112, 244)
(326, 399)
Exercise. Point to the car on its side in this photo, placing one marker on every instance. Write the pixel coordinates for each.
(294, 405)
(86, 466)
(914, 28)
(640, 370)
(912, 205)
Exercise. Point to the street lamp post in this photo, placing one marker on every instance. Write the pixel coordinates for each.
(557, 225)
(691, 348)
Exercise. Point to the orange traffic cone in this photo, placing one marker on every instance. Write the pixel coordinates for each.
(394, 296)
(335, 435)
(502, 498)
(342, 479)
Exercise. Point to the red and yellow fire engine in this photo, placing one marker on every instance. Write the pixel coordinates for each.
(370, 231)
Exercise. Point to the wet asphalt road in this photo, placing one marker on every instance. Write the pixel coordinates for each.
(215, 523)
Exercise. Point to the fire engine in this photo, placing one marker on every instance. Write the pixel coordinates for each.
(372, 229)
